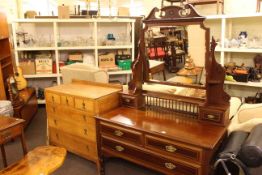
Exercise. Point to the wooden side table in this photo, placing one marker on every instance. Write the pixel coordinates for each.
(11, 128)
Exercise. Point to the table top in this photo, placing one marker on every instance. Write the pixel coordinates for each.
(8, 122)
(41, 161)
(171, 125)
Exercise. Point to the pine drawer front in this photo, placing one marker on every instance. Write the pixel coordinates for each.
(76, 117)
(173, 148)
(85, 132)
(120, 133)
(85, 105)
(52, 98)
(86, 149)
(132, 153)
(67, 101)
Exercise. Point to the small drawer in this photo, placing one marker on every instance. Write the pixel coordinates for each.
(67, 101)
(121, 133)
(10, 133)
(53, 98)
(85, 105)
(173, 148)
(128, 101)
(87, 132)
(149, 159)
(211, 115)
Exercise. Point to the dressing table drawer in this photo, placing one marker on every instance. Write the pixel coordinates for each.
(124, 134)
(211, 115)
(173, 148)
(150, 159)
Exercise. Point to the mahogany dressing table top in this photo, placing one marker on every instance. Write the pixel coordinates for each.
(171, 125)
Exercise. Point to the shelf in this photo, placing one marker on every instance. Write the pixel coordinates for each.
(249, 84)
(120, 72)
(41, 76)
(35, 48)
(40, 102)
(77, 48)
(239, 50)
(116, 47)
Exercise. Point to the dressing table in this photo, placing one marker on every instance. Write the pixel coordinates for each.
(176, 128)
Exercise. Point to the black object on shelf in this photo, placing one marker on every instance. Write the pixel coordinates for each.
(241, 77)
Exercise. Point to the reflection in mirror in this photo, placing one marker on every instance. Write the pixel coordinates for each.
(176, 54)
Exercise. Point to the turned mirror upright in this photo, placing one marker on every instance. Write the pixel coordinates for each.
(176, 38)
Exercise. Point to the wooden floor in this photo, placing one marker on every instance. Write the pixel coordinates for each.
(35, 135)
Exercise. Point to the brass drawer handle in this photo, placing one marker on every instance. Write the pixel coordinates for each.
(118, 133)
(170, 149)
(211, 117)
(170, 166)
(83, 105)
(84, 118)
(127, 100)
(85, 131)
(119, 148)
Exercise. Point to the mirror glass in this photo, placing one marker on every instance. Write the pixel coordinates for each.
(176, 54)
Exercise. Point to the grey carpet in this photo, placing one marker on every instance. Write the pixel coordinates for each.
(35, 135)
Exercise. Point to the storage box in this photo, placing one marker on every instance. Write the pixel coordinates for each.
(107, 60)
(75, 57)
(43, 65)
(122, 57)
(125, 64)
(28, 67)
(63, 12)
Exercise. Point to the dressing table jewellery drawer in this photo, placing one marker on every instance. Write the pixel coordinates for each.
(120, 133)
(148, 158)
(214, 115)
(173, 148)
(132, 100)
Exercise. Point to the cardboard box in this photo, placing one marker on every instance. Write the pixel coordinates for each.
(28, 67)
(43, 65)
(63, 12)
(107, 60)
(75, 57)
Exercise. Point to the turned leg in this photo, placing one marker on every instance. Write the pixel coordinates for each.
(100, 166)
(23, 143)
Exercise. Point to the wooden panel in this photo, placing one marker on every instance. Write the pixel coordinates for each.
(155, 161)
(52, 98)
(3, 26)
(67, 100)
(173, 148)
(121, 133)
(86, 149)
(85, 105)
(107, 103)
(86, 132)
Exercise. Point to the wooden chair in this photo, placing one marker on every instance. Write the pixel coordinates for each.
(203, 2)
(42, 160)
(156, 48)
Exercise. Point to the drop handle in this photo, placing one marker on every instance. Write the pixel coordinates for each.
(83, 105)
(57, 136)
(55, 122)
(118, 133)
(171, 149)
(85, 131)
(127, 100)
(53, 98)
(211, 116)
(53, 109)
(170, 166)
(119, 148)
(66, 101)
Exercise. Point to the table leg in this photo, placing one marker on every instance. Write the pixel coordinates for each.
(3, 155)
(164, 75)
(23, 143)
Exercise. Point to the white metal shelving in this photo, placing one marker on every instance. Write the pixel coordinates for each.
(226, 31)
(56, 27)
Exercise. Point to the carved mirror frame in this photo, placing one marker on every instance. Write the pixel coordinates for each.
(216, 98)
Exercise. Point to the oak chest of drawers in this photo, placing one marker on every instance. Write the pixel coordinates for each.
(167, 143)
(70, 114)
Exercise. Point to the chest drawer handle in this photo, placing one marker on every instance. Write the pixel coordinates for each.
(211, 117)
(170, 166)
(66, 101)
(83, 105)
(170, 149)
(118, 133)
(84, 118)
(53, 109)
(55, 122)
(127, 100)
(57, 136)
(119, 148)
(85, 131)
(53, 98)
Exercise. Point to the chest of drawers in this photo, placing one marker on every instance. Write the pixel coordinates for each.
(175, 146)
(70, 112)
